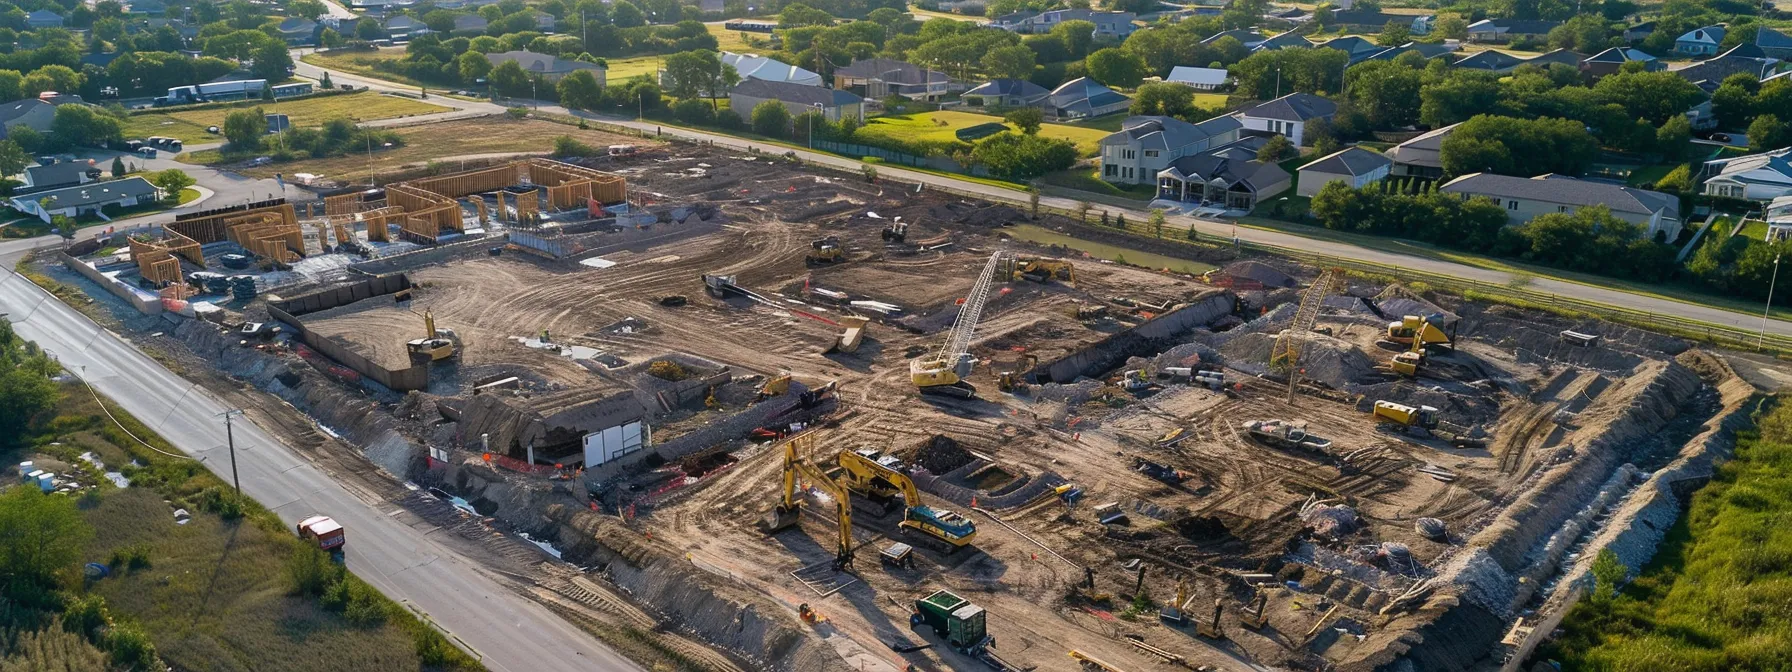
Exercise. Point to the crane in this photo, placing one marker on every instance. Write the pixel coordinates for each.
(1286, 351)
(945, 370)
(865, 473)
(790, 507)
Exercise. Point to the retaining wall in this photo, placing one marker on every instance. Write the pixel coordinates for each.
(1112, 351)
(115, 287)
(777, 410)
(428, 255)
(414, 378)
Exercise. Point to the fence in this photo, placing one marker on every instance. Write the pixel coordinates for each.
(287, 310)
(858, 151)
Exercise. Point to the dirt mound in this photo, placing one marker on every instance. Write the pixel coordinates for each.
(1202, 528)
(1270, 276)
(1325, 360)
(941, 454)
(999, 215)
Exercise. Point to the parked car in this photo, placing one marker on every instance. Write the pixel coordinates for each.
(212, 130)
(147, 152)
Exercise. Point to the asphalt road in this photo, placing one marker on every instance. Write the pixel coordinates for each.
(510, 632)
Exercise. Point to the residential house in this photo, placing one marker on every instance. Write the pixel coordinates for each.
(1702, 117)
(878, 78)
(752, 66)
(147, 8)
(1354, 166)
(1773, 43)
(1116, 25)
(1502, 62)
(1639, 32)
(1526, 198)
(1612, 60)
(298, 31)
(1422, 155)
(1282, 41)
(1230, 177)
(1423, 25)
(87, 199)
(1288, 115)
(1248, 37)
(1358, 48)
(43, 18)
(1745, 58)
(1199, 79)
(1145, 145)
(1779, 219)
(30, 112)
(543, 21)
(402, 28)
(1429, 51)
(834, 104)
(1700, 41)
(470, 23)
(1084, 98)
(99, 60)
(1756, 177)
(1507, 30)
(548, 68)
(59, 174)
(1365, 22)
(1000, 93)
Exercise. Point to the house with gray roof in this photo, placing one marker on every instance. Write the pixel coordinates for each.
(1701, 41)
(1612, 60)
(1229, 177)
(1246, 36)
(43, 18)
(1742, 58)
(59, 174)
(1507, 30)
(1502, 62)
(878, 78)
(1084, 98)
(834, 104)
(1757, 177)
(87, 199)
(1527, 198)
(1117, 25)
(403, 27)
(1288, 115)
(1145, 145)
(298, 30)
(1773, 43)
(1283, 41)
(1354, 166)
(1200, 79)
(549, 68)
(1357, 21)
(1001, 93)
(1421, 156)
(470, 23)
(32, 112)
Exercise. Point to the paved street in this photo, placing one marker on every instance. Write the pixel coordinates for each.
(513, 633)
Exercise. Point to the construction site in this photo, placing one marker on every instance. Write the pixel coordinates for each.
(794, 419)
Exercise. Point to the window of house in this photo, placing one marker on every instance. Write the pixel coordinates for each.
(1150, 153)
(1561, 208)
(1109, 170)
(1511, 205)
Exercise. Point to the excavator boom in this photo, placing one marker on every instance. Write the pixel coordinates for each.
(865, 474)
(790, 507)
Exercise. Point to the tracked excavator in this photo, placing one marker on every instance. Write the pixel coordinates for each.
(1422, 336)
(1039, 270)
(436, 345)
(944, 371)
(869, 473)
(789, 510)
(825, 251)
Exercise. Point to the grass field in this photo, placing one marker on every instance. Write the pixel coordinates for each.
(1086, 179)
(189, 125)
(942, 127)
(626, 68)
(923, 15)
(361, 62)
(422, 143)
(1707, 602)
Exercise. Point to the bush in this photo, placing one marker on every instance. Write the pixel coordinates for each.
(130, 648)
(433, 650)
(667, 370)
(565, 146)
(135, 556)
(771, 119)
(693, 111)
(224, 502)
(358, 602)
(311, 572)
(728, 120)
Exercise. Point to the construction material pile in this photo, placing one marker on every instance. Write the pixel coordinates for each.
(1330, 521)
(1263, 273)
(1326, 360)
(941, 454)
(1432, 529)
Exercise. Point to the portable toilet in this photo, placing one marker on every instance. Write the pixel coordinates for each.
(46, 482)
(25, 469)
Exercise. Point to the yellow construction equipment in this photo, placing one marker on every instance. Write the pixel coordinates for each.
(1093, 664)
(1413, 326)
(1406, 416)
(1424, 334)
(1011, 380)
(825, 251)
(943, 372)
(436, 345)
(1039, 270)
(851, 334)
(866, 472)
(774, 386)
(789, 510)
(1286, 351)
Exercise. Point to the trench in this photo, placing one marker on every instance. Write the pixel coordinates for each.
(1115, 253)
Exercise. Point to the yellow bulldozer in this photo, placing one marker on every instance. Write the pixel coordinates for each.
(1040, 270)
(825, 251)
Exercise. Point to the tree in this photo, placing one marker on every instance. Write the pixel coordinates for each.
(272, 61)
(243, 129)
(1076, 36)
(797, 15)
(1767, 133)
(625, 14)
(1674, 138)
(25, 387)
(1521, 147)
(1167, 99)
(118, 166)
(330, 39)
(1386, 92)
(1116, 67)
(1277, 148)
(580, 91)
(13, 158)
(771, 119)
(52, 78)
(472, 66)
(1608, 572)
(1018, 156)
(1010, 62)
(1156, 223)
(40, 535)
(510, 79)
(368, 29)
(693, 73)
(81, 124)
(1027, 119)
(1650, 96)
(1395, 33)
(325, 82)
(172, 181)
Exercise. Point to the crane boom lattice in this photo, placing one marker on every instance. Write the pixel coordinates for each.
(965, 325)
(1286, 351)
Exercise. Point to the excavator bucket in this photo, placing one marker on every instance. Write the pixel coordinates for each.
(780, 519)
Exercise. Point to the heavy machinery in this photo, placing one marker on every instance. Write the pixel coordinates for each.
(878, 478)
(1039, 270)
(1285, 434)
(326, 533)
(825, 251)
(944, 371)
(1423, 421)
(1420, 334)
(1286, 351)
(851, 335)
(896, 232)
(790, 509)
(436, 345)
(1011, 379)
(963, 625)
(774, 386)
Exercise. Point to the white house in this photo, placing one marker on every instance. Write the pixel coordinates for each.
(1146, 145)
(753, 66)
(1288, 115)
(1354, 166)
(1525, 199)
(1700, 41)
(1422, 156)
(1201, 79)
(1779, 219)
(1756, 177)
(87, 198)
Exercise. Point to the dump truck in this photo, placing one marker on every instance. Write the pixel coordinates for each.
(955, 620)
(1285, 434)
(1422, 421)
(325, 532)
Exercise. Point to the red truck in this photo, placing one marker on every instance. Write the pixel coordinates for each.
(326, 532)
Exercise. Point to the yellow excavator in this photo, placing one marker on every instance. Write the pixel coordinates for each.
(436, 345)
(944, 371)
(1406, 416)
(789, 510)
(865, 473)
(1420, 334)
(825, 251)
(852, 334)
(1040, 270)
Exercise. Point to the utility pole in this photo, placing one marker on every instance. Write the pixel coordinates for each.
(230, 439)
(1769, 309)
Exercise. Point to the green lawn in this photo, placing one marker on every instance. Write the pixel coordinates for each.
(361, 62)
(942, 127)
(625, 68)
(1086, 179)
(189, 125)
(188, 195)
